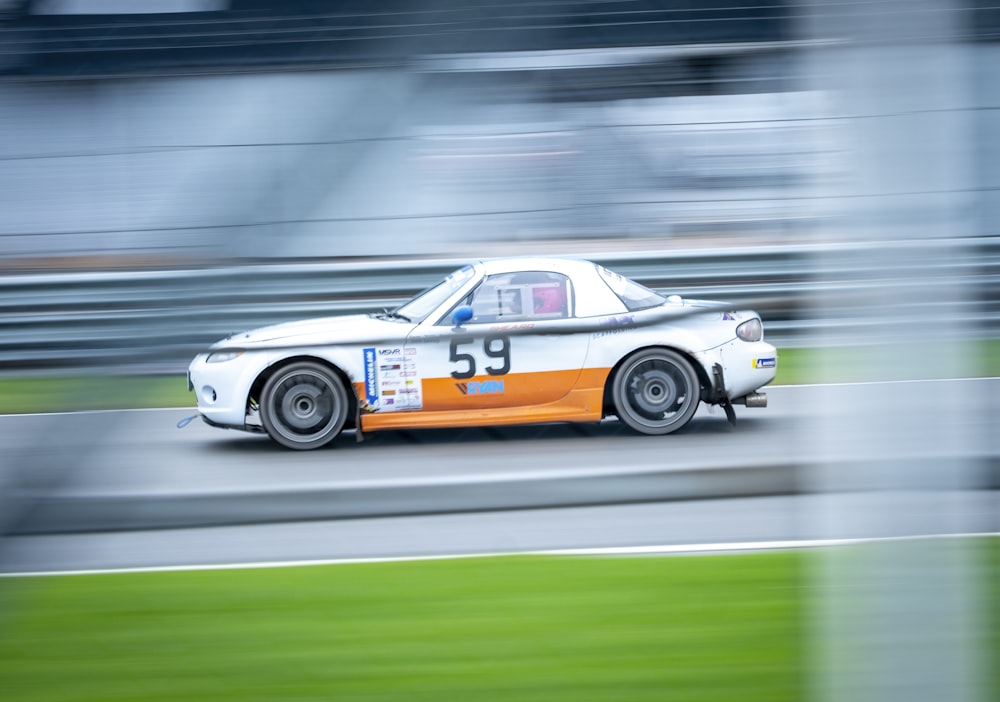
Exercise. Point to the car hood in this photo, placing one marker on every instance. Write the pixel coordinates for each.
(356, 328)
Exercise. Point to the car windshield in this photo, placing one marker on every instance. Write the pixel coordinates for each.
(634, 295)
(430, 299)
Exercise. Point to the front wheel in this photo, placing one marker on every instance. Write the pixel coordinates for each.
(656, 391)
(304, 405)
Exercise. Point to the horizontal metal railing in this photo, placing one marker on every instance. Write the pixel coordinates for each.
(158, 319)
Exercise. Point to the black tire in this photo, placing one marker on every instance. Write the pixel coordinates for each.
(304, 405)
(656, 391)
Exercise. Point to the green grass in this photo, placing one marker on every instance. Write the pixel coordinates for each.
(524, 628)
(726, 627)
(798, 366)
(795, 366)
(57, 393)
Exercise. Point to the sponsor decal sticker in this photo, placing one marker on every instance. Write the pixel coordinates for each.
(371, 380)
(771, 362)
(615, 325)
(610, 332)
(402, 382)
(617, 321)
(614, 280)
(486, 387)
(385, 386)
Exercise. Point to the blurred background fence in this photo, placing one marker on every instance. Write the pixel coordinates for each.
(155, 320)
(175, 170)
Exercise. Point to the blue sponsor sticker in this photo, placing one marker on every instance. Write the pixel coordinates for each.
(371, 377)
(486, 387)
(771, 362)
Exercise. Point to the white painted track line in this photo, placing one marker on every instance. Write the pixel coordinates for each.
(663, 550)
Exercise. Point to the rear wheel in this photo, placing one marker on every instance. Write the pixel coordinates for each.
(656, 391)
(304, 405)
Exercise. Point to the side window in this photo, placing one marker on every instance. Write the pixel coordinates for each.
(512, 297)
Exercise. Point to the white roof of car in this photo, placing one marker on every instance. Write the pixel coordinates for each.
(536, 263)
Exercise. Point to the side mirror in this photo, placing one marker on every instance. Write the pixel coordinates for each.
(461, 315)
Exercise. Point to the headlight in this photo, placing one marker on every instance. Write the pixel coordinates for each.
(750, 330)
(222, 356)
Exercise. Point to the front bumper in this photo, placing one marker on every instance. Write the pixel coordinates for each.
(222, 389)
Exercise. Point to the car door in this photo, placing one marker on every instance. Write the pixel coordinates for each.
(518, 350)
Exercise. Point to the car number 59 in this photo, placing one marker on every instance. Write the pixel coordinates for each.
(496, 347)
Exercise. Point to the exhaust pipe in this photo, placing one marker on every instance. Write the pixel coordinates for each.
(754, 399)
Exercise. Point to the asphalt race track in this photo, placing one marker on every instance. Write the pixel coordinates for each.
(97, 490)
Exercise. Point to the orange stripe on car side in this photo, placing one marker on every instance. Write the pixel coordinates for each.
(583, 403)
(488, 391)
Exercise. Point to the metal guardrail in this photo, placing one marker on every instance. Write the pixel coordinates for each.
(158, 319)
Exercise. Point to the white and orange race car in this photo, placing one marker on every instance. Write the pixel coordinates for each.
(504, 341)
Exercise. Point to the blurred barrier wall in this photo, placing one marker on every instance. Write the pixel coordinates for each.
(419, 161)
(313, 129)
(901, 619)
(158, 319)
